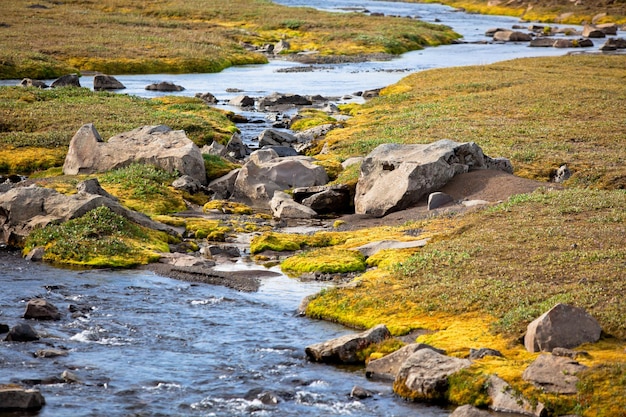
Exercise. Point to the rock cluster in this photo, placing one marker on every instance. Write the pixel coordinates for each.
(420, 372)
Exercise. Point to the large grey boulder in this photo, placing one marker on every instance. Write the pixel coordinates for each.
(274, 137)
(562, 326)
(556, 374)
(29, 82)
(15, 398)
(344, 349)
(265, 173)
(284, 207)
(507, 400)
(70, 80)
(223, 187)
(394, 176)
(165, 86)
(387, 367)
(424, 375)
(41, 309)
(106, 82)
(161, 146)
(22, 332)
(23, 209)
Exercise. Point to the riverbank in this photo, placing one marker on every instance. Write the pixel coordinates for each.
(546, 11)
(202, 36)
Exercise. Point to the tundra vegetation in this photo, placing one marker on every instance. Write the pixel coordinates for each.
(482, 277)
(558, 11)
(181, 36)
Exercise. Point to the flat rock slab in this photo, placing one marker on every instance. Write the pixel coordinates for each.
(345, 349)
(555, 374)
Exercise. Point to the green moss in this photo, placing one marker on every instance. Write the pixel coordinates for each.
(469, 387)
(324, 260)
(217, 166)
(99, 238)
(144, 188)
(275, 242)
(309, 118)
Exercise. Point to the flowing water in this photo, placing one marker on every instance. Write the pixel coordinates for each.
(145, 345)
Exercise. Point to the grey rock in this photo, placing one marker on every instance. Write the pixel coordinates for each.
(283, 151)
(542, 42)
(264, 173)
(165, 86)
(208, 98)
(613, 44)
(387, 367)
(414, 170)
(282, 99)
(14, 398)
(224, 250)
(424, 375)
(360, 393)
(511, 36)
(607, 28)
(241, 101)
(554, 374)
(92, 186)
(223, 187)
(235, 148)
(188, 184)
(106, 82)
(215, 148)
(22, 333)
(562, 326)
(590, 31)
(284, 207)
(36, 254)
(41, 309)
(482, 352)
(469, 411)
(66, 81)
(438, 199)
(273, 137)
(50, 353)
(28, 82)
(23, 209)
(281, 46)
(329, 201)
(161, 146)
(344, 349)
(506, 400)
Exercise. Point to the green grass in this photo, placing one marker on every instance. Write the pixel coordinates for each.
(524, 109)
(183, 36)
(100, 238)
(36, 126)
(144, 188)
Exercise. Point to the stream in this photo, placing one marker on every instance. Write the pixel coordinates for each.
(145, 345)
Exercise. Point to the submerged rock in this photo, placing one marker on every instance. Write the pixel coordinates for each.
(16, 398)
(40, 309)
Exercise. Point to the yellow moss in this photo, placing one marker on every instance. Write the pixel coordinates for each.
(324, 260)
(29, 159)
(227, 207)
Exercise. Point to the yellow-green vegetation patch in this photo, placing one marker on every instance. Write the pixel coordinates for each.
(144, 188)
(227, 207)
(217, 166)
(379, 350)
(544, 11)
(331, 165)
(324, 260)
(36, 125)
(189, 36)
(527, 110)
(199, 228)
(309, 118)
(100, 238)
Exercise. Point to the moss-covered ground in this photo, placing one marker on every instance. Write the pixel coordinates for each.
(139, 37)
(549, 11)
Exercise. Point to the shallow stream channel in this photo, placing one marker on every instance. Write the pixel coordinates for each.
(144, 345)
